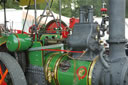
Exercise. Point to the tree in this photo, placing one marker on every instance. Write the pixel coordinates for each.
(11, 4)
(0, 7)
(67, 6)
(97, 4)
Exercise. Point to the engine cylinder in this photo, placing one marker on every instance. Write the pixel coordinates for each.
(18, 42)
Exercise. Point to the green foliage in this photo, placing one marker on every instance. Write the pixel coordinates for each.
(97, 4)
(11, 4)
(0, 7)
(66, 6)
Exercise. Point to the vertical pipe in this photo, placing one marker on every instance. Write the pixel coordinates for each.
(90, 14)
(117, 19)
(117, 29)
(35, 28)
(60, 12)
(103, 3)
(35, 11)
(5, 25)
(26, 16)
(82, 14)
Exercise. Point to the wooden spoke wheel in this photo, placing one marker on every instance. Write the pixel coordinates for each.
(10, 71)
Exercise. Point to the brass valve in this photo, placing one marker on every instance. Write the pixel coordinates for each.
(50, 75)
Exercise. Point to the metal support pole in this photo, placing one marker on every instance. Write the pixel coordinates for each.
(103, 3)
(35, 11)
(60, 12)
(5, 25)
(35, 28)
(47, 7)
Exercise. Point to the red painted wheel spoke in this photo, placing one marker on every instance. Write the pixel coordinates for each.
(3, 77)
(1, 72)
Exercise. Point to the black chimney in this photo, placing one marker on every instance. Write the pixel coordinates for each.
(117, 29)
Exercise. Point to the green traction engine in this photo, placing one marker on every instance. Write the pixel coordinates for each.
(50, 58)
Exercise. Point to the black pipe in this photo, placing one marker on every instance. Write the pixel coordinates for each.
(5, 24)
(82, 17)
(117, 29)
(26, 17)
(90, 14)
(60, 12)
(35, 27)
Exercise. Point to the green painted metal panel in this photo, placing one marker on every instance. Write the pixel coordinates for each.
(50, 36)
(50, 65)
(3, 40)
(36, 57)
(12, 43)
(18, 42)
(25, 41)
(70, 76)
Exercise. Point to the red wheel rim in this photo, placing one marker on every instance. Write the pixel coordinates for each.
(52, 24)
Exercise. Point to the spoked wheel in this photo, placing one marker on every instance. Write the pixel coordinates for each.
(10, 71)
